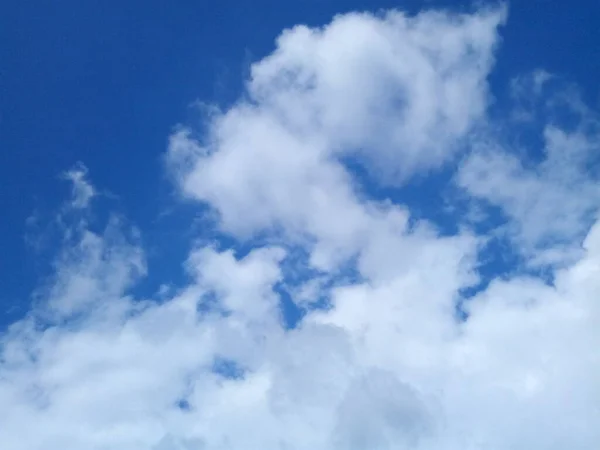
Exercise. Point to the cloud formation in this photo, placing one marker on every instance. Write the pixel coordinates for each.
(82, 191)
(562, 192)
(381, 358)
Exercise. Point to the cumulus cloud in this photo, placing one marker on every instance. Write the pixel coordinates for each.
(381, 358)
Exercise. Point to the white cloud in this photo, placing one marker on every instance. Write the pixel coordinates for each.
(551, 203)
(400, 96)
(81, 191)
(93, 271)
(211, 365)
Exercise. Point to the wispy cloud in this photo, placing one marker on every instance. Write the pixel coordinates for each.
(82, 191)
(550, 199)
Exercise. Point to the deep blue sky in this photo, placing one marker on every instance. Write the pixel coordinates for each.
(104, 82)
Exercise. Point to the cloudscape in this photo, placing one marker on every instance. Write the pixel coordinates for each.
(378, 252)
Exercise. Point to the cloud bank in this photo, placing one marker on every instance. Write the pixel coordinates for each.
(387, 352)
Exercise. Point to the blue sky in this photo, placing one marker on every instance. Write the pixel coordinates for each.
(348, 174)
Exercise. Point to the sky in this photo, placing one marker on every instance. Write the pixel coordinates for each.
(325, 225)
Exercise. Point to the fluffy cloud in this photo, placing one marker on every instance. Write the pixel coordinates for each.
(400, 97)
(381, 358)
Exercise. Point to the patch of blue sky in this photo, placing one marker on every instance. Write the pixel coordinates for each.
(228, 368)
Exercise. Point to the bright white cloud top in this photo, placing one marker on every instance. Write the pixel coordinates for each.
(381, 359)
